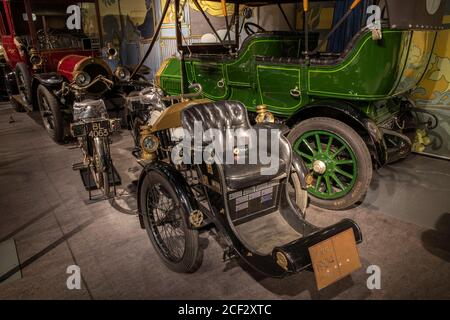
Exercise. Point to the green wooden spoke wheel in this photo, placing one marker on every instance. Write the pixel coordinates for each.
(337, 158)
(332, 162)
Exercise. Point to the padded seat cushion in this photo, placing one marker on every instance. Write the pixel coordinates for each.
(319, 59)
(241, 176)
(223, 115)
(220, 115)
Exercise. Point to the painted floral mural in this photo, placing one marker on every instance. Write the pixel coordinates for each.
(435, 87)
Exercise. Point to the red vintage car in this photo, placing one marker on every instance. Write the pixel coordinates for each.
(53, 52)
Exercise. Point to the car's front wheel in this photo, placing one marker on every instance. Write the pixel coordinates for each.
(176, 244)
(338, 160)
(23, 78)
(50, 110)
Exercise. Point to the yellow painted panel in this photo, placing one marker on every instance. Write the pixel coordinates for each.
(326, 18)
(446, 20)
(434, 88)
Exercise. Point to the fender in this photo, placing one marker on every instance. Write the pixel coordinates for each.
(10, 81)
(348, 113)
(178, 182)
(301, 169)
(297, 162)
(51, 79)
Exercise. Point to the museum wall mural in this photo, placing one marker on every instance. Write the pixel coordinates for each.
(433, 94)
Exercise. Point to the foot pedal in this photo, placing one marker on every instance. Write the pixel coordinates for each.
(79, 166)
(228, 254)
(89, 182)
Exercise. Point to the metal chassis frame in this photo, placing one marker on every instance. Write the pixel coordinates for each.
(234, 247)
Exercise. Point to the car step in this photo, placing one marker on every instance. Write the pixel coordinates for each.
(79, 166)
(296, 252)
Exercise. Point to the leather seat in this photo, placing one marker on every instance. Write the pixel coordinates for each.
(223, 115)
(324, 59)
(241, 176)
(217, 53)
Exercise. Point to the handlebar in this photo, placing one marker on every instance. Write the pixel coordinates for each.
(106, 81)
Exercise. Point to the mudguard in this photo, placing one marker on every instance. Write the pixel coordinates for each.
(50, 79)
(348, 113)
(297, 162)
(301, 169)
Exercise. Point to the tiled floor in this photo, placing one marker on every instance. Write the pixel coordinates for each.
(45, 209)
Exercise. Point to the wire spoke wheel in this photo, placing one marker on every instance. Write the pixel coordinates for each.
(165, 219)
(331, 161)
(46, 113)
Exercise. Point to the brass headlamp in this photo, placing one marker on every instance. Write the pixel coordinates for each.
(35, 59)
(122, 73)
(111, 52)
(149, 144)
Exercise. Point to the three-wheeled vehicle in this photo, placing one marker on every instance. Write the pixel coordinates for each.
(55, 50)
(347, 111)
(187, 187)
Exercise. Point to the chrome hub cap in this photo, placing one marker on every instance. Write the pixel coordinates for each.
(319, 167)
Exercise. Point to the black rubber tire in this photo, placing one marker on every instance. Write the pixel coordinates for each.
(26, 92)
(298, 195)
(16, 105)
(57, 132)
(360, 149)
(193, 255)
(101, 150)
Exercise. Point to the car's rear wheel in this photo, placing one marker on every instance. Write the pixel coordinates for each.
(338, 159)
(176, 244)
(50, 110)
(23, 78)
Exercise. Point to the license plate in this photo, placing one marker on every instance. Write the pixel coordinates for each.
(335, 258)
(98, 129)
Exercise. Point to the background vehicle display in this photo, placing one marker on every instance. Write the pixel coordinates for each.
(367, 107)
(251, 214)
(56, 66)
(36, 38)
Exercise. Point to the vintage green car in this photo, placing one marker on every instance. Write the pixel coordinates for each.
(347, 111)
